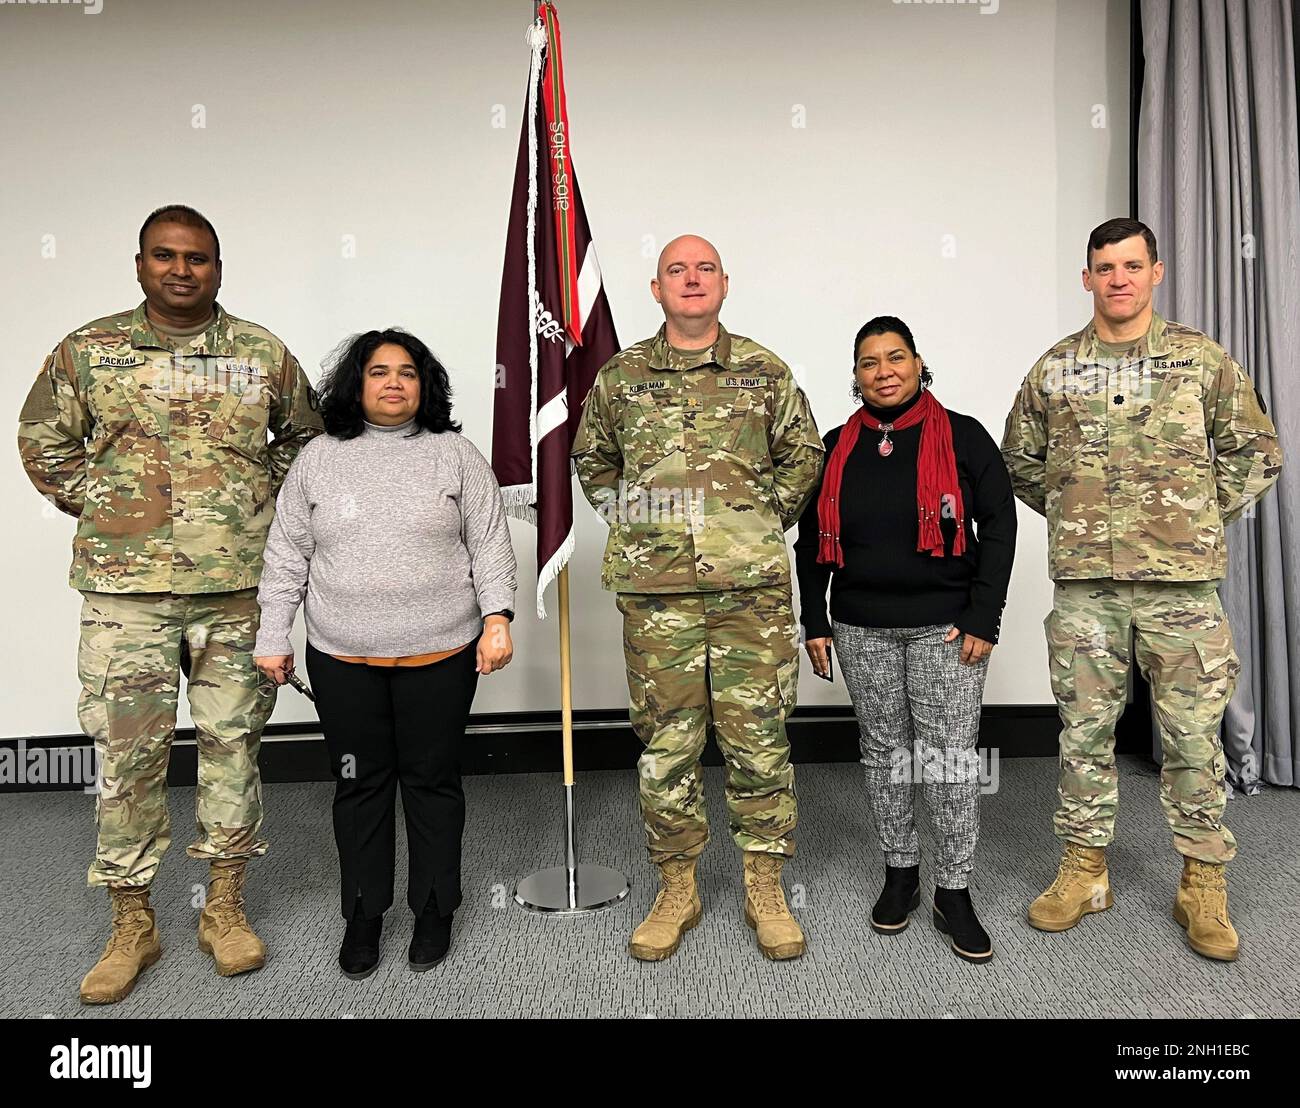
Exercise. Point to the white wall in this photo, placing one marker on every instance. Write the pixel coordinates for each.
(397, 122)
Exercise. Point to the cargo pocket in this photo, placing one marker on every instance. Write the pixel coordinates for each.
(267, 692)
(1217, 678)
(636, 700)
(1060, 659)
(649, 432)
(787, 685)
(130, 388)
(92, 706)
(247, 438)
(744, 429)
(636, 690)
(229, 431)
(1177, 418)
(1071, 424)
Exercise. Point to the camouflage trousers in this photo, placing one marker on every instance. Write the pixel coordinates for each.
(730, 658)
(129, 662)
(1184, 649)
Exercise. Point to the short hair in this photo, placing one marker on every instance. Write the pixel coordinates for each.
(889, 325)
(340, 388)
(187, 217)
(1117, 230)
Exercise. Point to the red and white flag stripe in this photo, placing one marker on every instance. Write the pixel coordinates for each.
(554, 329)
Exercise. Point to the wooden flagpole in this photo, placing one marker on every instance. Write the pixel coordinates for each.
(570, 888)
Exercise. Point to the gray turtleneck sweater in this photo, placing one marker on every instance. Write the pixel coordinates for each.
(398, 542)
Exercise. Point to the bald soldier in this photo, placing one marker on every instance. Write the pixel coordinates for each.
(698, 449)
(1110, 438)
(150, 428)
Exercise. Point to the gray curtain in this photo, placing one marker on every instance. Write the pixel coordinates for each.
(1219, 184)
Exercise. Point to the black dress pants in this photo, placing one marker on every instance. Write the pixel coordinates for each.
(386, 726)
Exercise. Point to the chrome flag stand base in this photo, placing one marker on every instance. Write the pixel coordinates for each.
(571, 888)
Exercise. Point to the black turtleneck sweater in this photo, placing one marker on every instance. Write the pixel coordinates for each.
(885, 581)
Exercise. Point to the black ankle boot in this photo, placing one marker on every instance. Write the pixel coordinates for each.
(901, 895)
(430, 940)
(359, 954)
(954, 915)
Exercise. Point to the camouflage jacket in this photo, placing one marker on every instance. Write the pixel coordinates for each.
(160, 450)
(1115, 452)
(697, 464)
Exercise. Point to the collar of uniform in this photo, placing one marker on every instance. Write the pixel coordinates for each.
(1154, 345)
(217, 340)
(661, 355)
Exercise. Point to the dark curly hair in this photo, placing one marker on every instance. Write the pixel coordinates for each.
(340, 388)
(887, 325)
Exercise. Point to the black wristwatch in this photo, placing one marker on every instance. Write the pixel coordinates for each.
(503, 612)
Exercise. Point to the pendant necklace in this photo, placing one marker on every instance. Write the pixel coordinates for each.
(885, 446)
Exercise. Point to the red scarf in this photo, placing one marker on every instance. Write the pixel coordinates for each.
(936, 479)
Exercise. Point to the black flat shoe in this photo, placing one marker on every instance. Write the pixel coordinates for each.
(901, 895)
(954, 916)
(430, 940)
(359, 954)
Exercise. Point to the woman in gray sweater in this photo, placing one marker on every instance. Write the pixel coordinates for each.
(392, 527)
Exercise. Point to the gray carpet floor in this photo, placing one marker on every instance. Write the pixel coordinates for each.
(1132, 961)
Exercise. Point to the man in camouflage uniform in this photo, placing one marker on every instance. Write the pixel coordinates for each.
(1110, 439)
(150, 427)
(699, 450)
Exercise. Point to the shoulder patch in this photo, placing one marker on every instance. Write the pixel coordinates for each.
(41, 405)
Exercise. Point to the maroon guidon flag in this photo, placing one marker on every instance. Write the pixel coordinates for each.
(554, 329)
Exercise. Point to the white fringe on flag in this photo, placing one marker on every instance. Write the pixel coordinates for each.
(521, 500)
(527, 508)
(549, 572)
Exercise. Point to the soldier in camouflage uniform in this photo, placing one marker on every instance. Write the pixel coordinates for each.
(150, 428)
(699, 450)
(1110, 439)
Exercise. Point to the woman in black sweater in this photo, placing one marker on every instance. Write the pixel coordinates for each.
(914, 528)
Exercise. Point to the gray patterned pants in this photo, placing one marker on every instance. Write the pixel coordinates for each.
(918, 712)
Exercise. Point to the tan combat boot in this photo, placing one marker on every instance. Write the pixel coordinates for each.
(1082, 885)
(1201, 906)
(224, 931)
(779, 936)
(676, 910)
(133, 945)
